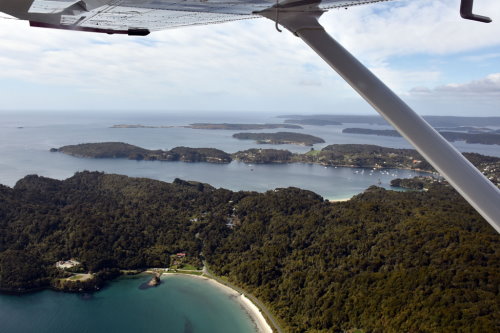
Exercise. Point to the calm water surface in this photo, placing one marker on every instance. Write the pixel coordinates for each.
(26, 151)
(181, 304)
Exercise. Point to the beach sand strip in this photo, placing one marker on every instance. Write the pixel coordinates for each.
(250, 308)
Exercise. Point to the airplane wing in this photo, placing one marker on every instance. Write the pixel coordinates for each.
(139, 17)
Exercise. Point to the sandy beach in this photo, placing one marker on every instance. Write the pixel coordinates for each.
(250, 308)
(340, 200)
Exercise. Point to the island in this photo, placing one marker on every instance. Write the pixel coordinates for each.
(313, 121)
(320, 120)
(489, 138)
(216, 126)
(468, 129)
(240, 127)
(138, 126)
(280, 138)
(131, 152)
(383, 261)
(368, 131)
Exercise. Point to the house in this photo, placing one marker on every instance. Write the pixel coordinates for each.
(66, 264)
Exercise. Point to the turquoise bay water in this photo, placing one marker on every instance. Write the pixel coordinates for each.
(181, 304)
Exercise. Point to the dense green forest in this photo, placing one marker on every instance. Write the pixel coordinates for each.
(415, 183)
(125, 150)
(279, 138)
(264, 156)
(384, 261)
(368, 156)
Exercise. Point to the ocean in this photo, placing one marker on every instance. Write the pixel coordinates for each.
(180, 304)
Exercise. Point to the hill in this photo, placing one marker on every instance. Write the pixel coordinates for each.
(280, 138)
(131, 152)
(384, 261)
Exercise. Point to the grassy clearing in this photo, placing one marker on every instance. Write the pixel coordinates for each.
(180, 271)
(188, 267)
(313, 152)
(80, 277)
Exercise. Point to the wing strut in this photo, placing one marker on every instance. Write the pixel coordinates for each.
(483, 195)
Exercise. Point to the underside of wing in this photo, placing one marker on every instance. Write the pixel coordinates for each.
(142, 16)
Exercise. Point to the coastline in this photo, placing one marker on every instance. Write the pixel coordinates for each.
(248, 306)
(340, 200)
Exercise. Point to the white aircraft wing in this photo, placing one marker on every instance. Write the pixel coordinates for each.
(139, 17)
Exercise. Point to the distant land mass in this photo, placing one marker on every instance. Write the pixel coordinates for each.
(490, 138)
(436, 121)
(338, 155)
(383, 261)
(368, 131)
(131, 152)
(138, 126)
(216, 126)
(280, 138)
(317, 122)
(240, 127)
(468, 129)
(415, 183)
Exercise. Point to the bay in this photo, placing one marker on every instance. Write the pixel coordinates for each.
(180, 304)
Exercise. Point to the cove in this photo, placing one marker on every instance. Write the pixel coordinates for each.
(180, 304)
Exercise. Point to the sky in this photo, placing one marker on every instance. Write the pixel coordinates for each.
(437, 62)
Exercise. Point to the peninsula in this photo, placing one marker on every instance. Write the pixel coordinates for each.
(280, 138)
(377, 262)
(338, 155)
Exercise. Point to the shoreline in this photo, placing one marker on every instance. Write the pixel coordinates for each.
(246, 304)
(340, 200)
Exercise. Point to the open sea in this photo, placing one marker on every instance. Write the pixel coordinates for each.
(180, 304)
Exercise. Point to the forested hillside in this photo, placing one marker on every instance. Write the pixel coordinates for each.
(489, 138)
(279, 138)
(344, 155)
(383, 262)
(131, 152)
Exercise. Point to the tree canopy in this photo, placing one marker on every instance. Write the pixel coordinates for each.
(383, 261)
